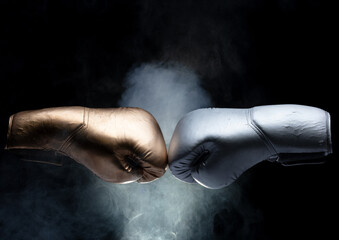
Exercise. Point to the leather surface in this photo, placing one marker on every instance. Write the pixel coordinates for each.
(119, 145)
(215, 146)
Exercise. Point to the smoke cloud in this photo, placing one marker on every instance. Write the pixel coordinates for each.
(167, 91)
(240, 50)
(70, 202)
(169, 208)
(166, 208)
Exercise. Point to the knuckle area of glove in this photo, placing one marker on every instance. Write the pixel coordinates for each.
(183, 165)
(135, 163)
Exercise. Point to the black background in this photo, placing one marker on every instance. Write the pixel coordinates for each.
(247, 53)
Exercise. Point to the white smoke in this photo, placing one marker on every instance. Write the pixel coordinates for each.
(82, 206)
(168, 91)
(166, 208)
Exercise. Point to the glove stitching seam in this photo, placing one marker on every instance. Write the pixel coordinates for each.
(260, 133)
(83, 125)
(328, 133)
(9, 131)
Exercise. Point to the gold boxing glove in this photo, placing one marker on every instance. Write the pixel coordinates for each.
(119, 145)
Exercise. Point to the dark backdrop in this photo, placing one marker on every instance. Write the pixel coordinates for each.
(59, 53)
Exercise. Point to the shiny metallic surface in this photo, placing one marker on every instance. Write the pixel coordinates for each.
(237, 139)
(119, 145)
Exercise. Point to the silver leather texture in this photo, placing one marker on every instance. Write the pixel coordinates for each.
(214, 146)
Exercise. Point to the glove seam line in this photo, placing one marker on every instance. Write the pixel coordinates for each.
(260, 133)
(328, 133)
(9, 131)
(83, 125)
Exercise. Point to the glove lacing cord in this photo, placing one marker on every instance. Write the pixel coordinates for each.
(270, 147)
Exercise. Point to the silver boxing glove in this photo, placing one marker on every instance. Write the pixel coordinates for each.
(214, 146)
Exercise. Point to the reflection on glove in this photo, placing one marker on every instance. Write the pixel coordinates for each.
(213, 147)
(119, 145)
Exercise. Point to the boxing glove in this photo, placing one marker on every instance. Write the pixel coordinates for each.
(214, 146)
(119, 145)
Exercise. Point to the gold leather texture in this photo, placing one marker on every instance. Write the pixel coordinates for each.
(119, 145)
